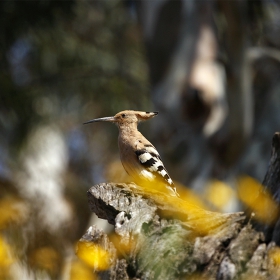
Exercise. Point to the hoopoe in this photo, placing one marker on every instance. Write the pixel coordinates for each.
(139, 157)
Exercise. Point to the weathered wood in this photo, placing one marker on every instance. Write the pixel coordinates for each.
(163, 230)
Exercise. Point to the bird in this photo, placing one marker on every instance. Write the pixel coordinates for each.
(139, 157)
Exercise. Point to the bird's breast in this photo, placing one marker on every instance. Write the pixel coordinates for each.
(129, 159)
(127, 154)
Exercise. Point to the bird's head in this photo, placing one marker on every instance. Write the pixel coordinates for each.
(126, 117)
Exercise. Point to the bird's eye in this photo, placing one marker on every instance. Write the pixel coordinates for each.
(123, 115)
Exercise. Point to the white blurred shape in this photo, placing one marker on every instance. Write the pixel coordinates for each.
(44, 160)
(22, 272)
(209, 77)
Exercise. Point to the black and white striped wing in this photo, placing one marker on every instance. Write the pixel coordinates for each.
(153, 167)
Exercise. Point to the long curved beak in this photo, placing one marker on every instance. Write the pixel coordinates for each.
(106, 119)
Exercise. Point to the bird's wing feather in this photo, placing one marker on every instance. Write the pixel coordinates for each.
(150, 159)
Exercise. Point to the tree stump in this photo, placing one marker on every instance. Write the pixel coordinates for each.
(162, 237)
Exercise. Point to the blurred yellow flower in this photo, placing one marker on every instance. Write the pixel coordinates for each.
(252, 193)
(219, 194)
(5, 254)
(248, 189)
(45, 258)
(93, 255)
(274, 255)
(80, 271)
(189, 196)
(123, 248)
(12, 209)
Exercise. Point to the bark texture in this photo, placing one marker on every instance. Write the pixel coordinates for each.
(271, 183)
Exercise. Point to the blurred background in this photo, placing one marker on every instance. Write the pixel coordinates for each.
(211, 68)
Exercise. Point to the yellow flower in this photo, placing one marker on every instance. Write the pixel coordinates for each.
(93, 255)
